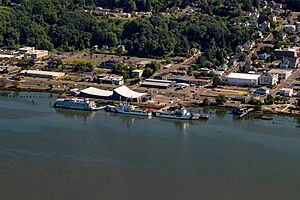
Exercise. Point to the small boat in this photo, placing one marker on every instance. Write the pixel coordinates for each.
(76, 104)
(126, 108)
(181, 114)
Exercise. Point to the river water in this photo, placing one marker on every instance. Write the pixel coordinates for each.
(54, 154)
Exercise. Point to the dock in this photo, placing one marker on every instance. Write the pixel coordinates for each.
(246, 113)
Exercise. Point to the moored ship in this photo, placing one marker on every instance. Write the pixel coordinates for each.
(181, 114)
(76, 104)
(126, 108)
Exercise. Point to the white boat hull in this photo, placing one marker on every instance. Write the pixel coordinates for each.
(136, 113)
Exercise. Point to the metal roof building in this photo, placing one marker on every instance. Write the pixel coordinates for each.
(42, 74)
(124, 93)
(242, 79)
(92, 92)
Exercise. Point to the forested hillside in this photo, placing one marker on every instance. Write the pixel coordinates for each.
(65, 25)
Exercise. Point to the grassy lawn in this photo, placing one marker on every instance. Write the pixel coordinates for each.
(80, 60)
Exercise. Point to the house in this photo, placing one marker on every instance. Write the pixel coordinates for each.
(290, 28)
(258, 34)
(168, 66)
(242, 79)
(286, 92)
(295, 39)
(262, 91)
(263, 56)
(265, 25)
(143, 63)
(137, 73)
(239, 48)
(95, 48)
(282, 73)
(222, 67)
(121, 48)
(174, 9)
(105, 47)
(289, 63)
(248, 45)
(282, 36)
(253, 24)
(232, 63)
(109, 64)
(268, 79)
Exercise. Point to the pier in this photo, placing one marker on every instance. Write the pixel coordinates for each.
(246, 113)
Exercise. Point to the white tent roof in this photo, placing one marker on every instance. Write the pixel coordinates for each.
(128, 93)
(97, 92)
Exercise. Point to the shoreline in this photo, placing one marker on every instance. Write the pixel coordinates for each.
(154, 106)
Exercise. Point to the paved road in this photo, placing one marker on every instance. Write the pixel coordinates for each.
(288, 83)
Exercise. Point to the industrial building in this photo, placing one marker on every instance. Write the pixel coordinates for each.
(242, 79)
(155, 83)
(9, 69)
(42, 74)
(122, 93)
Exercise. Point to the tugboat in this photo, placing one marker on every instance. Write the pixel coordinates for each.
(126, 108)
(181, 114)
(76, 103)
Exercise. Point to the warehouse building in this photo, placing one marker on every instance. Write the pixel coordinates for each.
(155, 83)
(242, 79)
(42, 74)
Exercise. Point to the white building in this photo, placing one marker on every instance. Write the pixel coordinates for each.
(282, 73)
(42, 74)
(111, 79)
(137, 73)
(242, 79)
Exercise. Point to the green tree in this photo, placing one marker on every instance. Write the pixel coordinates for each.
(148, 72)
(221, 99)
(269, 99)
(205, 102)
(216, 81)
(3, 83)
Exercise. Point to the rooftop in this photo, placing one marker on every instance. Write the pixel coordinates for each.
(280, 71)
(243, 76)
(128, 93)
(38, 72)
(97, 92)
